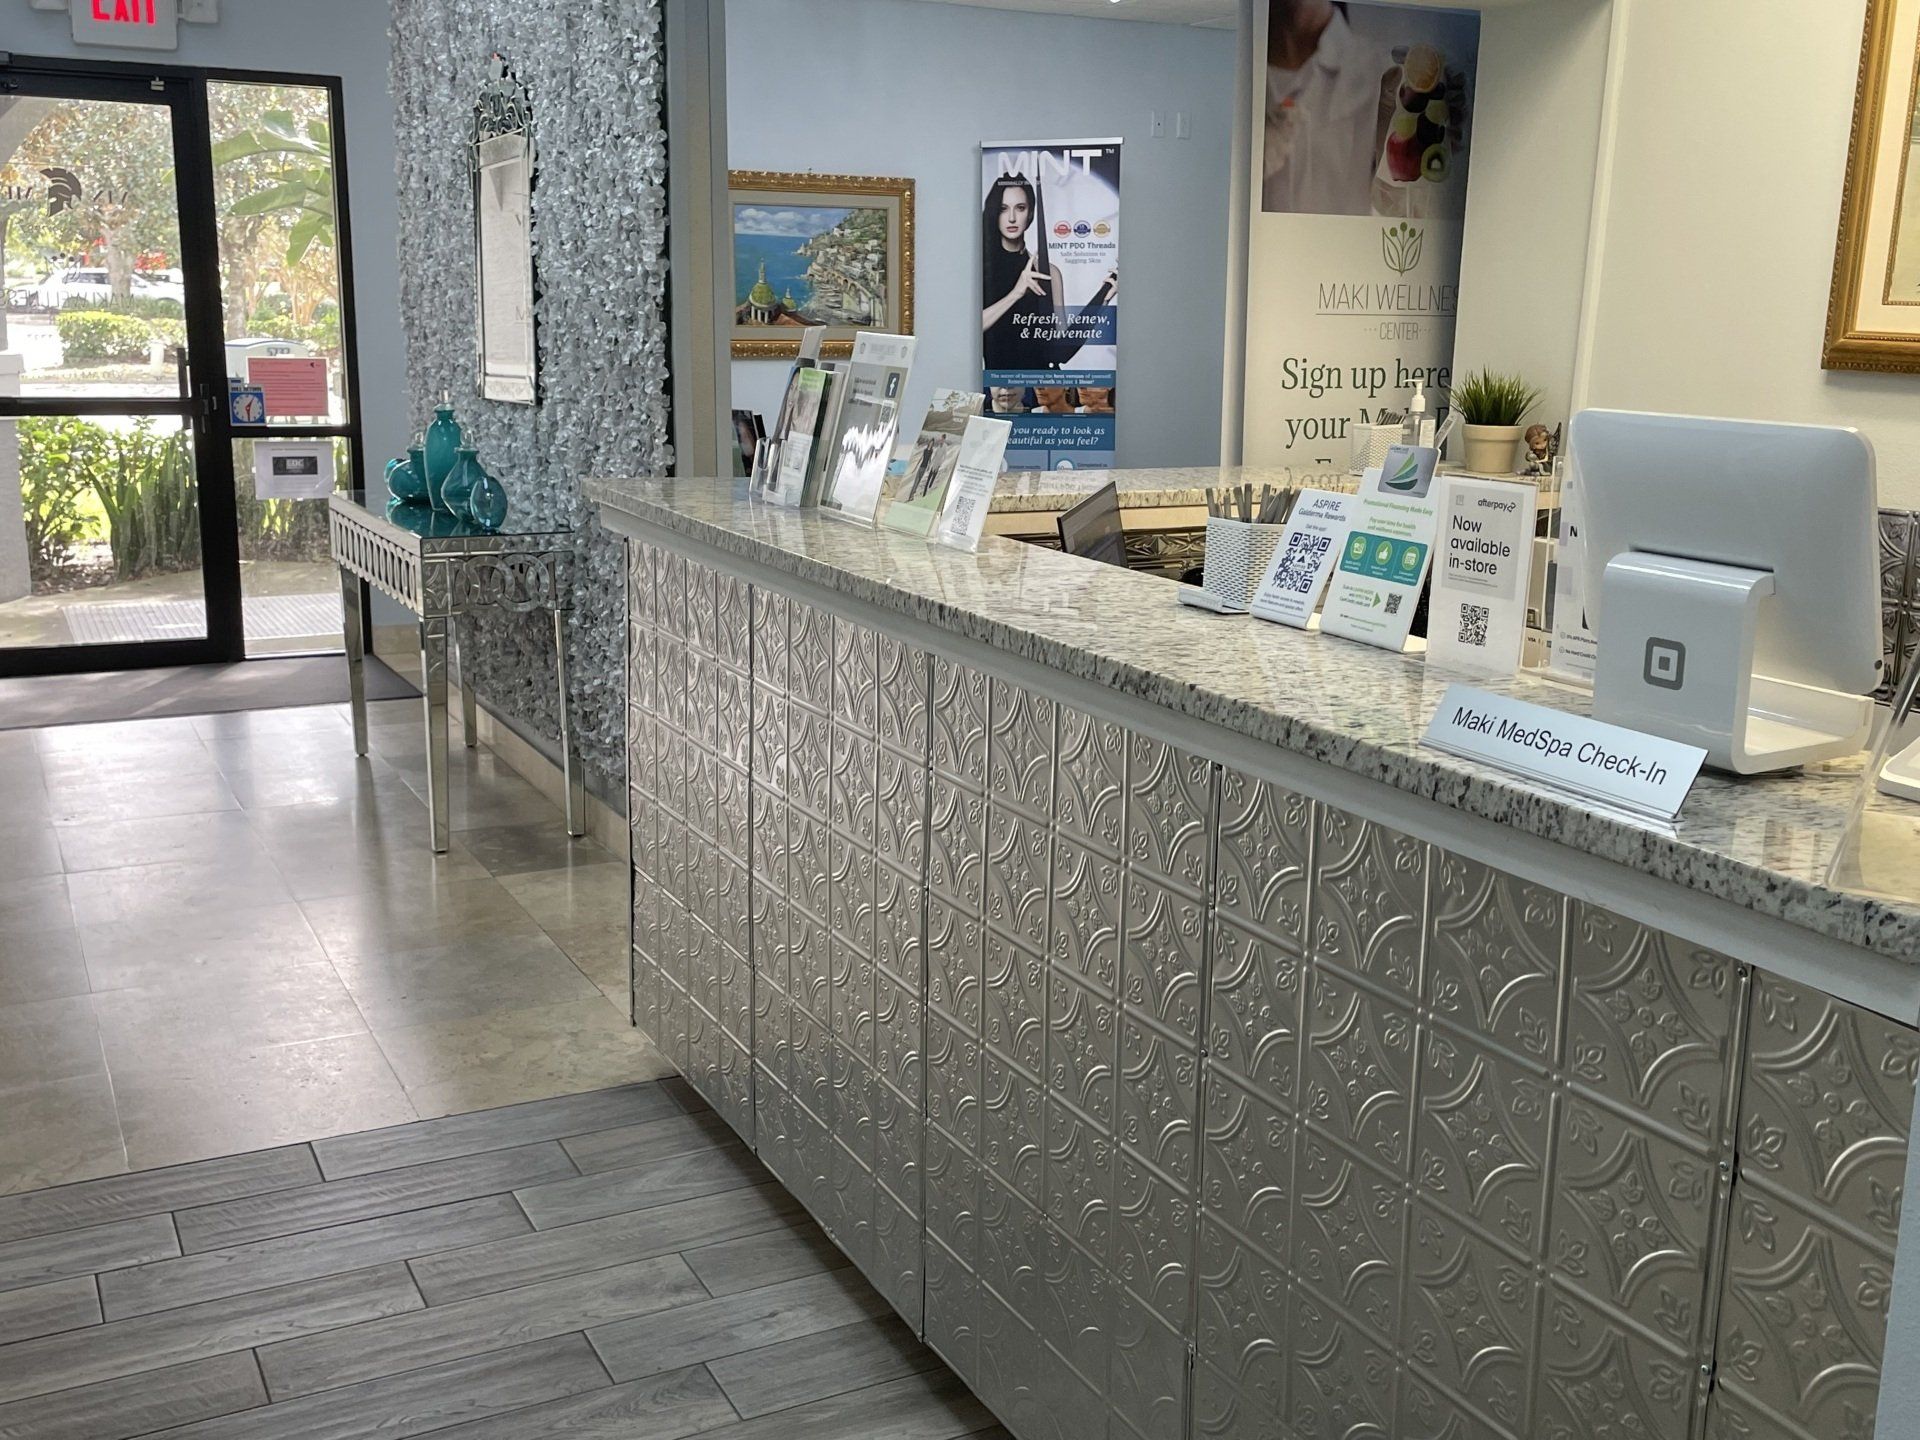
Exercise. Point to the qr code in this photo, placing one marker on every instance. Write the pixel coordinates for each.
(1473, 625)
(1301, 562)
(962, 518)
(1393, 603)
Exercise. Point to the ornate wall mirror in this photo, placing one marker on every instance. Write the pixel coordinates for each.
(501, 160)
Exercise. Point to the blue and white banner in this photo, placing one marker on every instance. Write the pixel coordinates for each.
(1049, 299)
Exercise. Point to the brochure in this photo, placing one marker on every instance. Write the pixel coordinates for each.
(976, 475)
(766, 459)
(1383, 565)
(866, 425)
(1304, 558)
(749, 434)
(923, 490)
(794, 476)
(1478, 620)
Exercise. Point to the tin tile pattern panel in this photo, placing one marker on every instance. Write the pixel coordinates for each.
(1164, 1101)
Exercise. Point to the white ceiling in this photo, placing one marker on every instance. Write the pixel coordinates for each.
(1166, 12)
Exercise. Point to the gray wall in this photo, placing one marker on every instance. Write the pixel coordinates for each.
(348, 39)
(899, 87)
(594, 70)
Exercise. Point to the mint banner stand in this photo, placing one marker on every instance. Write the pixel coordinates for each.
(1677, 645)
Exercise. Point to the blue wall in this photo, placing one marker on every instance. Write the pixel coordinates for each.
(902, 87)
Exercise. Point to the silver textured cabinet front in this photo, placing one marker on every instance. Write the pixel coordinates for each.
(1167, 1102)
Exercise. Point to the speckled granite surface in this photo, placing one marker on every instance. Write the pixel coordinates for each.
(1763, 844)
(1048, 490)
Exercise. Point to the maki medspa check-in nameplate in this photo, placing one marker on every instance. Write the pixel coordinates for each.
(1623, 769)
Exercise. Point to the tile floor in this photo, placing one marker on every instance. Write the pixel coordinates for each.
(607, 1264)
(227, 933)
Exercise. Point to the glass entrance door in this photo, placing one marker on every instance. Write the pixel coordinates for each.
(117, 541)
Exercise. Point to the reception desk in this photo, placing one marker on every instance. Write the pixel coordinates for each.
(1183, 1050)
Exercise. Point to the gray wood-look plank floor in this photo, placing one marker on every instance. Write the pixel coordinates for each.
(606, 1264)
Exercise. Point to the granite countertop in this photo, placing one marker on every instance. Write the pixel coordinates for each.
(1045, 491)
(1053, 490)
(1764, 844)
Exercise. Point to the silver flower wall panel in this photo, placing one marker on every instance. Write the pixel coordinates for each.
(1166, 1101)
(597, 83)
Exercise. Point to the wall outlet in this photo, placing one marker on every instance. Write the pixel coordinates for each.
(1156, 125)
(1182, 126)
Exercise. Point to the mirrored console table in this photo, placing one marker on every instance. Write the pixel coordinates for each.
(442, 570)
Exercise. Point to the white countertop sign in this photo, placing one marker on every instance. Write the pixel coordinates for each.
(1763, 846)
(1641, 774)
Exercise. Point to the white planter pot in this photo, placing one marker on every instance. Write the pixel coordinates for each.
(1491, 448)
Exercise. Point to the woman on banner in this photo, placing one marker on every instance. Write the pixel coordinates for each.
(1024, 325)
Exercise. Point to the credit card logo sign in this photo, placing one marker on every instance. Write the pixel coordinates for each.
(1666, 667)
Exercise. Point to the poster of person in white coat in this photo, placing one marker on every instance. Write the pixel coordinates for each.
(1368, 110)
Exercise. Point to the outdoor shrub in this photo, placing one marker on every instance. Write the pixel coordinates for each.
(57, 459)
(146, 484)
(146, 307)
(98, 337)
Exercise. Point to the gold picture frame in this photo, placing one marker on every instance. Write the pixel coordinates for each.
(870, 285)
(1873, 321)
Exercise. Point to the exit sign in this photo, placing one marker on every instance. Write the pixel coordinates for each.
(129, 24)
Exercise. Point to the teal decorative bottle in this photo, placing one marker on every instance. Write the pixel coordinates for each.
(405, 480)
(488, 501)
(417, 461)
(443, 452)
(456, 491)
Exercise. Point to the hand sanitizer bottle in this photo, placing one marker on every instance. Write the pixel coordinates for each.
(1419, 429)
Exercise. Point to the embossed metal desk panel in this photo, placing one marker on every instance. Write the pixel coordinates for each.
(1167, 1101)
(440, 569)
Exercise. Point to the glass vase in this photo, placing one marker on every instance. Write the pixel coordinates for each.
(488, 502)
(443, 453)
(456, 491)
(406, 480)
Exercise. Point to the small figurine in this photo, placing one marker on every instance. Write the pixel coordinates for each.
(1543, 448)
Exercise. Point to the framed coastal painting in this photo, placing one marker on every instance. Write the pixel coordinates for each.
(1874, 320)
(818, 250)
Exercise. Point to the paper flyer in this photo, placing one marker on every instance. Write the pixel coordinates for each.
(976, 474)
(867, 423)
(1312, 542)
(1478, 619)
(923, 489)
(797, 441)
(1383, 565)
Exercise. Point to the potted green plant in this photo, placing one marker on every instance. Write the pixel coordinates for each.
(1492, 410)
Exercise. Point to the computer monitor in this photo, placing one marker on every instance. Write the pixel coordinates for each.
(1732, 578)
(1092, 527)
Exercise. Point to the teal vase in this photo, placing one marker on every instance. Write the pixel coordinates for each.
(488, 502)
(443, 453)
(456, 491)
(417, 460)
(405, 480)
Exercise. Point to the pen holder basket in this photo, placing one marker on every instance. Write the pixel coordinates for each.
(1238, 553)
(1371, 444)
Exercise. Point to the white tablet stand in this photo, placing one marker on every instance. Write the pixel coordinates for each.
(1676, 653)
(1901, 778)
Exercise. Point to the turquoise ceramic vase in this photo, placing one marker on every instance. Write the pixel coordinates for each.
(488, 503)
(456, 491)
(443, 453)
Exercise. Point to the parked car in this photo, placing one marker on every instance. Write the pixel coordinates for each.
(93, 285)
(242, 350)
